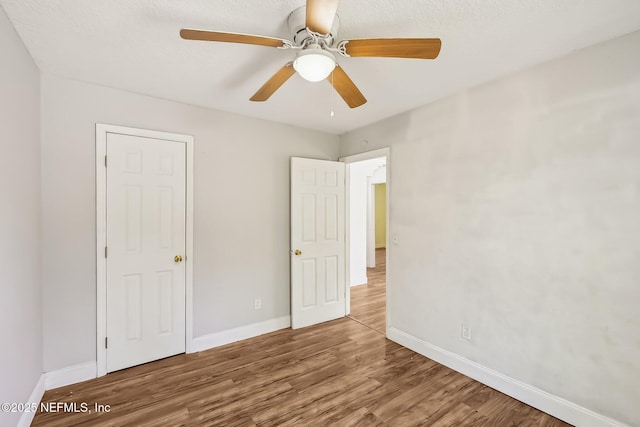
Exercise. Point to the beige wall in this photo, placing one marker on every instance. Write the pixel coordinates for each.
(20, 290)
(517, 207)
(381, 215)
(241, 210)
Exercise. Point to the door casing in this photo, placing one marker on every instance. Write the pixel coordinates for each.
(102, 130)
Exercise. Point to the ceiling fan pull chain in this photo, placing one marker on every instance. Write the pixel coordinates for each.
(331, 96)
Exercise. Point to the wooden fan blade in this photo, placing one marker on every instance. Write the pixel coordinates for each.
(395, 48)
(217, 36)
(274, 83)
(346, 88)
(320, 15)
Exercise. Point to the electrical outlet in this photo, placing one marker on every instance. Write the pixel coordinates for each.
(257, 304)
(466, 332)
(395, 239)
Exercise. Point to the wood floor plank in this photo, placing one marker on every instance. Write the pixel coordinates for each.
(368, 302)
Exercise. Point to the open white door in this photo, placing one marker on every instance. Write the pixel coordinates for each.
(317, 241)
(145, 221)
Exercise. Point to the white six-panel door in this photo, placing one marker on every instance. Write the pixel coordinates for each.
(317, 241)
(145, 268)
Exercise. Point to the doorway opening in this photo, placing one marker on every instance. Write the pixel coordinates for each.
(369, 300)
(367, 225)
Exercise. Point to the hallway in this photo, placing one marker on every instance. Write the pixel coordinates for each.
(369, 302)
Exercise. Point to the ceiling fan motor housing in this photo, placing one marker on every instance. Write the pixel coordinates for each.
(298, 27)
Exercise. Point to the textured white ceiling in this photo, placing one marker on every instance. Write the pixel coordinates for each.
(134, 45)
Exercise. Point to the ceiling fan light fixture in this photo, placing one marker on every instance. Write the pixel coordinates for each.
(314, 64)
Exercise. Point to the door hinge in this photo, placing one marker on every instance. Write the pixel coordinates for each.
(105, 161)
(106, 343)
(105, 251)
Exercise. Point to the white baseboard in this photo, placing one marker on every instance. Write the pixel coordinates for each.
(359, 281)
(217, 339)
(54, 379)
(540, 399)
(70, 375)
(36, 395)
(87, 371)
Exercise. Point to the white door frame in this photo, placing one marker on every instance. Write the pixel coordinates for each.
(102, 130)
(368, 155)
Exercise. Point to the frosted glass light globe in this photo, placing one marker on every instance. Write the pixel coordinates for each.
(314, 64)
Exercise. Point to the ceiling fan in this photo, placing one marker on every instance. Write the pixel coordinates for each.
(314, 30)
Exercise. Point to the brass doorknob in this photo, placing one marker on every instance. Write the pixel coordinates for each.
(298, 252)
(178, 258)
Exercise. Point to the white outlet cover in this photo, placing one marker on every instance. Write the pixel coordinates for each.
(466, 332)
(395, 239)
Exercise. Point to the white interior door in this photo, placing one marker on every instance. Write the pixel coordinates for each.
(145, 214)
(317, 241)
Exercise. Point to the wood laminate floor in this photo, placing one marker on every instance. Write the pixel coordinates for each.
(368, 302)
(339, 373)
